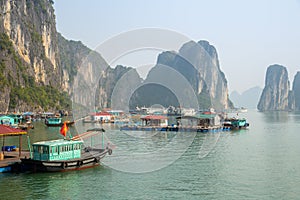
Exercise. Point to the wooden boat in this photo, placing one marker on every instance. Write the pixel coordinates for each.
(26, 126)
(55, 121)
(64, 155)
(235, 123)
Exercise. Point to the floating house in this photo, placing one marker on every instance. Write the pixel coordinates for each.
(202, 120)
(154, 120)
(116, 113)
(10, 154)
(102, 117)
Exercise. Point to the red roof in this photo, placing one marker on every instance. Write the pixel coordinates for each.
(154, 117)
(101, 114)
(9, 131)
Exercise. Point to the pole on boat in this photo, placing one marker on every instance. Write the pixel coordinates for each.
(20, 145)
(102, 140)
(29, 146)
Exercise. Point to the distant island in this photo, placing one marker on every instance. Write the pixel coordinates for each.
(277, 95)
(248, 99)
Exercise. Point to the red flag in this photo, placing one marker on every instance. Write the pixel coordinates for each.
(64, 129)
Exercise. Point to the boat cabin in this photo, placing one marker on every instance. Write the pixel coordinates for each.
(54, 121)
(102, 117)
(57, 150)
(7, 120)
(154, 120)
(205, 120)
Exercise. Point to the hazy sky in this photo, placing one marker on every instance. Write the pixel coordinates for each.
(248, 35)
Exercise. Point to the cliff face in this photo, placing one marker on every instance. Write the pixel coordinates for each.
(28, 53)
(116, 86)
(74, 56)
(196, 65)
(276, 94)
(36, 63)
(204, 58)
(30, 26)
(296, 90)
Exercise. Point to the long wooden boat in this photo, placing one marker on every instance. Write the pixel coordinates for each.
(64, 155)
(57, 121)
(235, 123)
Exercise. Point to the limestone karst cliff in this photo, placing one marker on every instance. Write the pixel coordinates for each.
(194, 71)
(296, 91)
(28, 55)
(276, 95)
(37, 64)
(38, 68)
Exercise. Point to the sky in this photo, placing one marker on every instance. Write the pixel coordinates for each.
(249, 35)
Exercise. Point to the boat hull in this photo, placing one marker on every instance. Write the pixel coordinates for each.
(59, 124)
(91, 159)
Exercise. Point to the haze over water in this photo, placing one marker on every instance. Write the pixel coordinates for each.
(259, 163)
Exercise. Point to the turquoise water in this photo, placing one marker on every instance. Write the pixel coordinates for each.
(259, 163)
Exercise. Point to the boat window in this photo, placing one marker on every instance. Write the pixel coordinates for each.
(40, 149)
(35, 149)
(45, 150)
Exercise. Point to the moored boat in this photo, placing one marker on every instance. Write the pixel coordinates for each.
(65, 154)
(235, 123)
(55, 121)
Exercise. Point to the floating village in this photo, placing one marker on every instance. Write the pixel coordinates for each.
(73, 153)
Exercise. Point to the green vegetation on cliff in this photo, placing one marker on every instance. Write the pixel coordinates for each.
(23, 88)
(45, 97)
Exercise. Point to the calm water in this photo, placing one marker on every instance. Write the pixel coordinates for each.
(259, 163)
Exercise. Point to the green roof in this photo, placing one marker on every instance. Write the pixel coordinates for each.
(201, 116)
(57, 142)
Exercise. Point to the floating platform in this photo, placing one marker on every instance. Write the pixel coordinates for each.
(10, 160)
(175, 128)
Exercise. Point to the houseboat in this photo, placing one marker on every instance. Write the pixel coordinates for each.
(65, 154)
(236, 123)
(149, 123)
(55, 121)
(203, 122)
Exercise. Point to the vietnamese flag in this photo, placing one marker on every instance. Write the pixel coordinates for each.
(64, 129)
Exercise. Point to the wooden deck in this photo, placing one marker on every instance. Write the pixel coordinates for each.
(176, 129)
(12, 157)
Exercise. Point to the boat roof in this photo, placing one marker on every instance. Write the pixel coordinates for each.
(154, 117)
(201, 116)
(101, 114)
(57, 142)
(9, 131)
